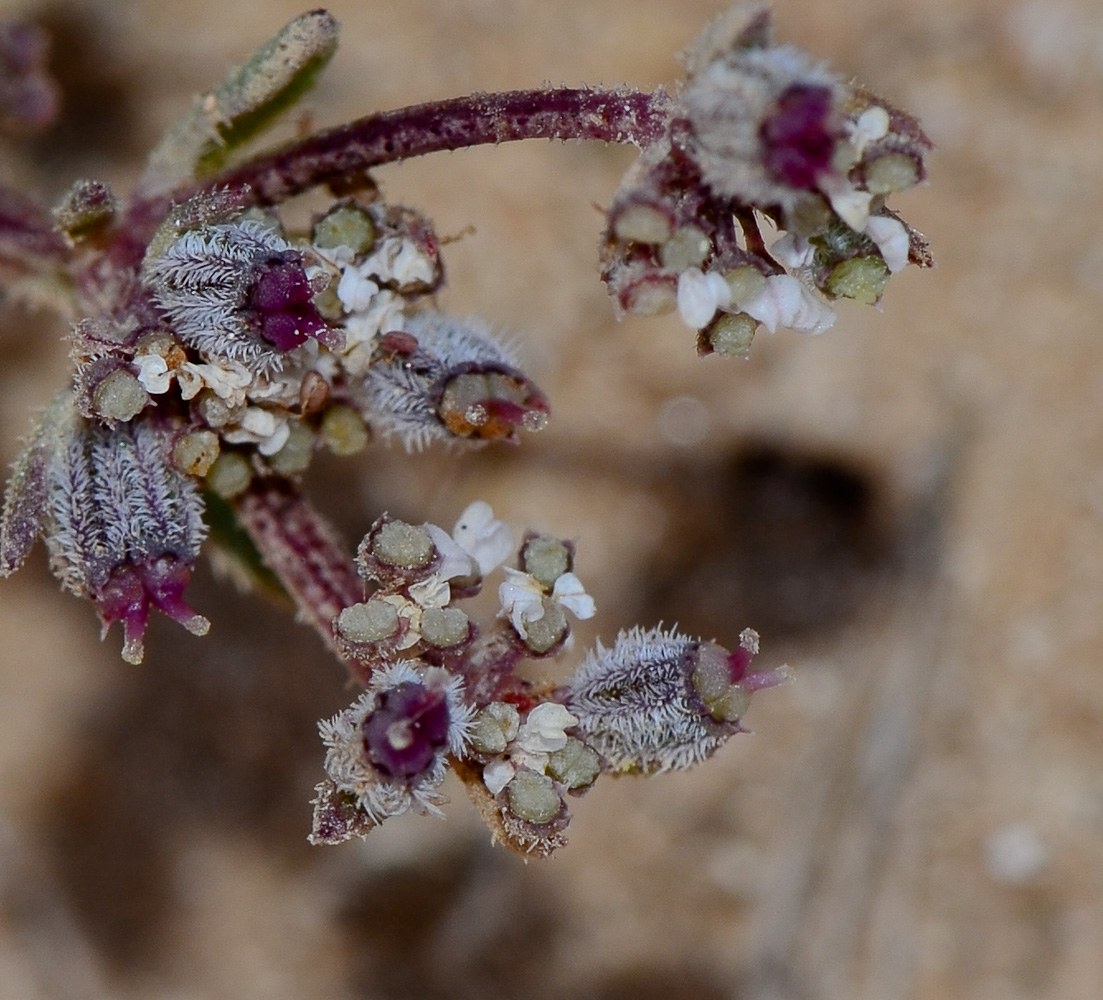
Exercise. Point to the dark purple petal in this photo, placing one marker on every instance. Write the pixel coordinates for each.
(407, 729)
(282, 331)
(280, 301)
(282, 283)
(798, 138)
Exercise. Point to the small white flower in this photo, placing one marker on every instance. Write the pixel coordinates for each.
(793, 251)
(700, 295)
(786, 301)
(400, 261)
(478, 544)
(434, 591)
(541, 734)
(892, 240)
(522, 598)
(850, 204)
(355, 290)
(497, 774)
(486, 539)
(569, 592)
(385, 314)
(227, 380)
(871, 125)
(153, 373)
(543, 731)
(260, 427)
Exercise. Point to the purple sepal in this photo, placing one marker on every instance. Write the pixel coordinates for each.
(133, 590)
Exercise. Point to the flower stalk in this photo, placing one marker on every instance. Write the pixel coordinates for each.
(619, 116)
(304, 552)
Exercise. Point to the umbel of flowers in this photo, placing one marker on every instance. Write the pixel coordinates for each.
(217, 351)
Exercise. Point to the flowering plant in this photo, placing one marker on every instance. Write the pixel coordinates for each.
(216, 349)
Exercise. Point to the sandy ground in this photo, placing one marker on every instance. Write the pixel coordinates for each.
(908, 508)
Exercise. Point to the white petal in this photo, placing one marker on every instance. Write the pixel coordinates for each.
(276, 440)
(814, 315)
(850, 204)
(189, 381)
(522, 599)
(793, 251)
(543, 730)
(569, 592)
(700, 295)
(872, 124)
(892, 240)
(433, 592)
(778, 301)
(488, 540)
(497, 774)
(455, 560)
(785, 301)
(355, 291)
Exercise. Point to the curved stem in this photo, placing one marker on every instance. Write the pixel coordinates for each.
(620, 116)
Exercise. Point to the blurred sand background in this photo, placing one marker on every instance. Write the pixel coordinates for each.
(908, 508)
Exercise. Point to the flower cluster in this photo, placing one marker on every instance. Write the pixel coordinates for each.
(219, 347)
(445, 692)
(762, 133)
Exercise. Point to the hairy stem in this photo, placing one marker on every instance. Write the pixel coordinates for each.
(620, 116)
(302, 549)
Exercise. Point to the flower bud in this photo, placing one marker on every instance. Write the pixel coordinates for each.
(658, 701)
(237, 291)
(449, 380)
(123, 527)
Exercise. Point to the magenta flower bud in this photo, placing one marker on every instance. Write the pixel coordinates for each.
(238, 291)
(280, 303)
(798, 139)
(123, 526)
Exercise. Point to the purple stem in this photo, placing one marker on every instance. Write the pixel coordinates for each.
(621, 116)
(27, 232)
(302, 549)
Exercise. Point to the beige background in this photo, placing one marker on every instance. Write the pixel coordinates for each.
(909, 508)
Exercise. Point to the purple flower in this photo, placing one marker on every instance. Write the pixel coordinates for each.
(798, 139)
(280, 303)
(407, 729)
(238, 291)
